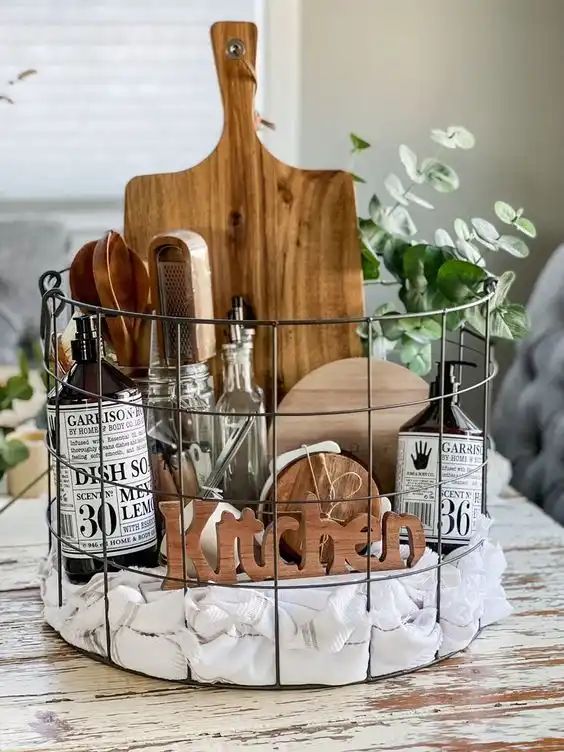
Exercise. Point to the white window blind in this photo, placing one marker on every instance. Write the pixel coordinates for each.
(124, 87)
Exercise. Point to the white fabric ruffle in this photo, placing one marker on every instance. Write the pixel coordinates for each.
(326, 634)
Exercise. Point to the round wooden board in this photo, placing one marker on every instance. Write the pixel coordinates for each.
(339, 483)
(343, 385)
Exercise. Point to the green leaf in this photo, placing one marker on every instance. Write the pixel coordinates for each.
(454, 318)
(526, 227)
(463, 138)
(393, 328)
(485, 229)
(514, 246)
(392, 253)
(459, 281)
(418, 200)
(440, 176)
(468, 252)
(475, 318)
(415, 301)
(423, 261)
(486, 243)
(370, 264)
(370, 233)
(399, 222)
(414, 267)
(455, 136)
(13, 452)
(395, 188)
(374, 208)
(505, 212)
(419, 362)
(409, 161)
(441, 137)
(356, 178)
(461, 229)
(17, 387)
(422, 330)
(442, 238)
(517, 319)
(358, 143)
(510, 322)
(408, 350)
(502, 289)
(24, 364)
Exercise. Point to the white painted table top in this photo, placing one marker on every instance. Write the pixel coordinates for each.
(506, 692)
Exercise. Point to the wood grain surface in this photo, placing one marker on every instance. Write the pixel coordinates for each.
(284, 238)
(335, 481)
(505, 693)
(342, 386)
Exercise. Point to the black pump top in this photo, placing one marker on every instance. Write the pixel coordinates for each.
(451, 384)
(84, 346)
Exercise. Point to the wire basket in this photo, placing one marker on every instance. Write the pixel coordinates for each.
(368, 585)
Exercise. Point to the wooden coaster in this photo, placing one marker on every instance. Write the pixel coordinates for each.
(341, 486)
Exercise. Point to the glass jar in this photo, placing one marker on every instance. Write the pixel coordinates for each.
(182, 444)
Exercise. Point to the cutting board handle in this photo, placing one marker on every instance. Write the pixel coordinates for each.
(235, 50)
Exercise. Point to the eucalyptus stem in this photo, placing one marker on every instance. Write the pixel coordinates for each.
(383, 282)
(412, 184)
(404, 194)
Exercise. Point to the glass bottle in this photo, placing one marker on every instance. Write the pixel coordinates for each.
(241, 407)
(127, 513)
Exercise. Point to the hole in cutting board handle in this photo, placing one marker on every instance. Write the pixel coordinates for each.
(235, 49)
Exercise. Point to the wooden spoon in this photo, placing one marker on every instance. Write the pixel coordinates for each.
(112, 276)
(141, 329)
(81, 275)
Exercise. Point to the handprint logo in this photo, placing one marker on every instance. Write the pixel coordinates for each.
(421, 457)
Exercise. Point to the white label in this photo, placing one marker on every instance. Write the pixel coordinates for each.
(128, 512)
(461, 495)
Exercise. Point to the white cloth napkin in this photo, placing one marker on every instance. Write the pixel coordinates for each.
(326, 634)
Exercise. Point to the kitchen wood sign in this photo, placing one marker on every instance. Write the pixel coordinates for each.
(239, 551)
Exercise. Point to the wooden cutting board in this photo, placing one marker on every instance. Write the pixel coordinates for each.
(284, 238)
(343, 385)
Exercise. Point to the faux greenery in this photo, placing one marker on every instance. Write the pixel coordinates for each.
(12, 451)
(449, 271)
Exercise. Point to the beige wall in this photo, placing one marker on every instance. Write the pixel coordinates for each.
(392, 69)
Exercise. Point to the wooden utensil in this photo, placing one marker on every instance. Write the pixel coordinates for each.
(112, 274)
(343, 386)
(81, 275)
(140, 328)
(282, 237)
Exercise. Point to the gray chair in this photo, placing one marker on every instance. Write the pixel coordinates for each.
(529, 411)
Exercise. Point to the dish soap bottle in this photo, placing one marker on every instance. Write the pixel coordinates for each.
(462, 454)
(127, 512)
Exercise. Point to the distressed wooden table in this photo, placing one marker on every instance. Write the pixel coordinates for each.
(506, 692)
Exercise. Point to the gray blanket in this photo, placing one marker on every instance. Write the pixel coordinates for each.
(529, 411)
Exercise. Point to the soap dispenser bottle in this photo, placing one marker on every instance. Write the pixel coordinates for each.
(79, 426)
(462, 453)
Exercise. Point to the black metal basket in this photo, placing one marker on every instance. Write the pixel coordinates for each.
(56, 305)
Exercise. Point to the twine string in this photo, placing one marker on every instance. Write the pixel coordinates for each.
(259, 120)
(330, 513)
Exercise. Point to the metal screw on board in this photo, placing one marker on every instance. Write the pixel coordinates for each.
(235, 48)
